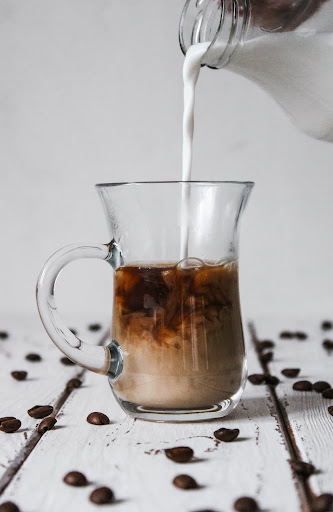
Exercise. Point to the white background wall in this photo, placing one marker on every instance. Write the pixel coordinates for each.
(91, 91)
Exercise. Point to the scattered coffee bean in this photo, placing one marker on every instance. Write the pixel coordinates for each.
(267, 357)
(101, 496)
(66, 361)
(19, 375)
(246, 505)
(73, 331)
(226, 434)
(328, 393)
(9, 424)
(75, 478)
(302, 468)
(291, 372)
(257, 379)
(33, 357)
(286, 335)
(322, 503)
(98, 418)
(94, 327)
(328, 345)
(179, 454)
(40, 411)
(73, 384)
(302, 385)
(330, 410)
(46, 424)
(185, 482)
(271, 380)
(263, 345)
(327, 325)
(320, 386)
(299, 335)
(9, 506)
(4, 335)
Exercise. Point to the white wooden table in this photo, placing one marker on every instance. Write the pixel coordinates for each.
(276, 424)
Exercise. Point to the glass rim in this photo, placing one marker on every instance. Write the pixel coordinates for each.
(127, 183)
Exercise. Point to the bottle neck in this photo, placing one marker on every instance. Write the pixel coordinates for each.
(223, 23)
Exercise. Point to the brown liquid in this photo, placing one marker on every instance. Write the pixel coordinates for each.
(181, 335)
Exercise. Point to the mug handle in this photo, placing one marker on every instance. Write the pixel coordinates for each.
(104, 360)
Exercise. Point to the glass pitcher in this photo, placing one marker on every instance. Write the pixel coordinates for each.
(176, 350)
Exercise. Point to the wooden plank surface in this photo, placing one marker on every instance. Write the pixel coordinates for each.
(309, 422)
(128, 456)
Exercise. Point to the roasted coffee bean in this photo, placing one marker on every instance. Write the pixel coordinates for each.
(4, 335)
(322, 503)
(185, 482)
(94, 327)
(291, 372)
(263, 345)
(46, 424)
(302, 468)
(267, 357)
(73, 384)
(302, 385)
(328, 393)
(257, 378)
(9, 424)
(9, 506)
(271, 380)
(40, 411)
(98, 418)
(328, 345)
(286, 335)
(73, 331)
(327, 325)
(330, 410)
(246, 505)
(179, 454)
(226, 434)
(75, 478)
(66, 361)
(320, 386)
(33, 357)
(19, 375)
(101, 496)
(299, 335)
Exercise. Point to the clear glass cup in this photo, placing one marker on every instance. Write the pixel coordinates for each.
(176, 350)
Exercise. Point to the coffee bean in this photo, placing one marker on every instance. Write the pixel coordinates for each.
(257, 378)
(40, 411)
(33, 357)
(98, 418)
(291, 372)
(246, 505)
(179, 454)
(73, 384)
(271, 380)
(263, 345)
(46, 424)
(328, 345)
(94, 327)
(320, 386)
(322, 503)
(73, 331)
(185, 482)
(302, 385)
(266, 358)
(286, 335)
(66, 361)
(101, 496)
(4, 335)
(327, 325)
(328, 393)
(226, 434)
(9, 506)
(299, 335)
(75, 478)
(330, 410)
(302, 468)
(9, 424)
(19, 375)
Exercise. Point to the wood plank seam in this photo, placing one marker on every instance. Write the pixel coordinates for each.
(31, 444)
(302, 485)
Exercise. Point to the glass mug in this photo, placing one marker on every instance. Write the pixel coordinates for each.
(176, 349)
